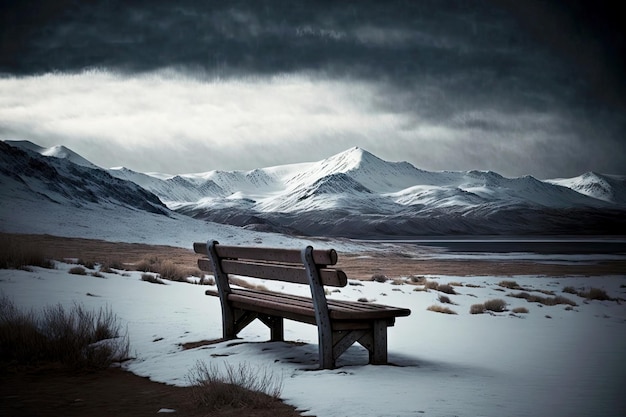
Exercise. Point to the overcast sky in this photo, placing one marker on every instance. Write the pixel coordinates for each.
(517, 87)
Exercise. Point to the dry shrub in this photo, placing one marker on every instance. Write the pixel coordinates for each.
(19, 255)
(110, 264)
(548, 301)
(512, 285)
(379, 278)
(445, 300)
(431, 285)
(477, 309)
(520, 310)
(417, 279)
(595, 294)
(242, 386)
(78, 270)
(497, 305)
(446, 288)
(570, 290)
(148, 265)
(441, 309)
(170, 271)
(78, 339)
(397, 281)
(152, 279)
(97, 274)
(473, 286)
(89, 264)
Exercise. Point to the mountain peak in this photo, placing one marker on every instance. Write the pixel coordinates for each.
(57, 151)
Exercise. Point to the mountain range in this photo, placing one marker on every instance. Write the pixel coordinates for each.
(350, 194)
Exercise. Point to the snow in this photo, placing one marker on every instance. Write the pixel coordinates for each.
(548, 362)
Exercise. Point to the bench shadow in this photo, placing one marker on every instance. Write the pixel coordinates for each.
(305, 356)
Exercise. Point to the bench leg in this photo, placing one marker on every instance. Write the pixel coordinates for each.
(235, 322)
(277, 328)
(378, 353)
(375, 341)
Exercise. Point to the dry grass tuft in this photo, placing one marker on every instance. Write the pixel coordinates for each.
(445, 300)
(548, 301)
(379, 278)
(417, 279)
(477, 309)
(431, 285)
(78, 339)
(520, 310)
(570, 290)
(242, 386)
(15, 254)
(596, 294)
(497, 305)
(446, 288)
(172, 272)
(77, 270)
(441, 309)
(512, 285)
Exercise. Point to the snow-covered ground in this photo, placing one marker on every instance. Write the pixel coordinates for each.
(549, 362)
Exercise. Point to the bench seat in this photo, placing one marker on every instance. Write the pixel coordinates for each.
(267, 302)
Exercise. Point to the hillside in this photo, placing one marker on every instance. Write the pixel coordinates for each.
(351, 194)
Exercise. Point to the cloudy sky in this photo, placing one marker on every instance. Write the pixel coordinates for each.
(518, 87)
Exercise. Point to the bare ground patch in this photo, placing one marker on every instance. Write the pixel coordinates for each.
(391, 265)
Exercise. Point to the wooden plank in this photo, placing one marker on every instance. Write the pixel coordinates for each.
(254, 303)
(339, 309)
(320, 256)
(295, 274)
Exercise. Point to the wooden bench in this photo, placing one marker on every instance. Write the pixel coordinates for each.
(340, 323)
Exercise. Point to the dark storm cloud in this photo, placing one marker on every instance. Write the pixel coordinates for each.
(486, 84)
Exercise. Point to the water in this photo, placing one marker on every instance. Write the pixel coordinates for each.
(509, 244)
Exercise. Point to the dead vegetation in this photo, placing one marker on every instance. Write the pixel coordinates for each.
(78, 339)
(441, 309)
(496, 305)
(235, 387)
(547, 301)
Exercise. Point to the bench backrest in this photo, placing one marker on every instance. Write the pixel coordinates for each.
(272, 263)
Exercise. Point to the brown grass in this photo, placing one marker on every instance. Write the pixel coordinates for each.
(57, 335)
(18, 254)
(477, 309)
(242, 386)
(596, 294)
(446, 288)
(548, 301)
(445, 299)
(441, 309)
(512, 285)
(497, 305)
(520, 310)
(118, 254)
(77, 270)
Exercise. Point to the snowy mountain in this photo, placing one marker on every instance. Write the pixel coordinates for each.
(26, 175)
(58, 151)
(357, 194)
(610, 188)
